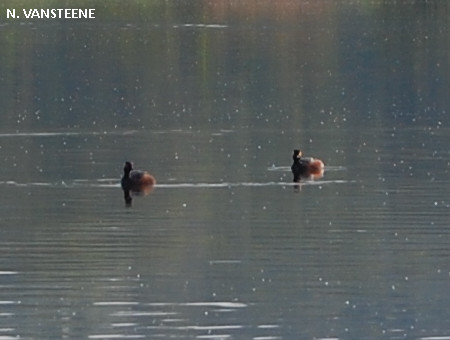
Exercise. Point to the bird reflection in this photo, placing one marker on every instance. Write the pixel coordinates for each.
(135, 182)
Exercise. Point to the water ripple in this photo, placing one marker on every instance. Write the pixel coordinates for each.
(116, 336)
(114, 183)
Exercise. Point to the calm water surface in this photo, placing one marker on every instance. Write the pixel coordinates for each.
(212, 100)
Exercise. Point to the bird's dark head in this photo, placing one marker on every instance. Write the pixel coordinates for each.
(128, 167)
(297, 153)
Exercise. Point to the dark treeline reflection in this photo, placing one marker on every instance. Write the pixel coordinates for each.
(288, 63)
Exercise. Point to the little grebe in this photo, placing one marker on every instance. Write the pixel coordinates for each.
(306, 167)
(136, 181)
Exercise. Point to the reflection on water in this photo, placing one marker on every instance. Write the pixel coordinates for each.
(170, 319)
(242, 259)
(213, 98)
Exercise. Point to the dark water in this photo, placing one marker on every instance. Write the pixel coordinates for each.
(211, 98)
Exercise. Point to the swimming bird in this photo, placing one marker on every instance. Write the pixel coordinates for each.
(136, 181)
(306, 167)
